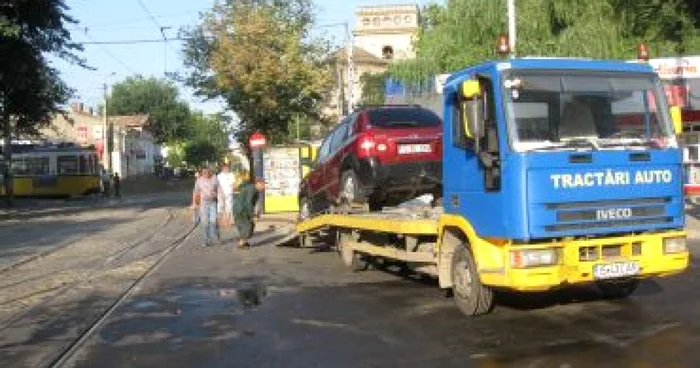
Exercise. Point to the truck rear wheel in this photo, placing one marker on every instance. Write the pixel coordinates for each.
(618, 289)
(470, 295)
(355, 261)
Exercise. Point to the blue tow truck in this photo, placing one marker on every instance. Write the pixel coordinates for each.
(556, 172)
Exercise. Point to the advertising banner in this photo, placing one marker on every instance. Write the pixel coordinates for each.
(282, 172)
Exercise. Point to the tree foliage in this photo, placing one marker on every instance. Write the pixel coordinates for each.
(259, 56)
(373, 88)
(31, 91)
(159, 98)
(209, 141)
(464, 32)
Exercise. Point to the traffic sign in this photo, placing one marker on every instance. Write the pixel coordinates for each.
(257, 140)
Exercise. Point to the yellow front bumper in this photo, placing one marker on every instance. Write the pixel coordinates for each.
(572, 270)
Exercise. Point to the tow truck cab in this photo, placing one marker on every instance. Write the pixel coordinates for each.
(558, 151)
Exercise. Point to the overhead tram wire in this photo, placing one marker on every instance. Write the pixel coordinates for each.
(109, 53)
(117, 24)
(133, 42)
(162, 33)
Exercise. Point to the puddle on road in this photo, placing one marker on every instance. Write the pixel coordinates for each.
(184, 313)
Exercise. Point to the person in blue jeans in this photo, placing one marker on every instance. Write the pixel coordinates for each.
(204, 196)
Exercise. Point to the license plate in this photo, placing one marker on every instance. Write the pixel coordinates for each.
(615, 270)
(414, 148)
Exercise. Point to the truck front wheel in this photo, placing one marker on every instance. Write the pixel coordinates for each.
(618, 289)
(470, 295)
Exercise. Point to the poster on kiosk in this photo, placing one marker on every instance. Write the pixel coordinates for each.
(681, 79)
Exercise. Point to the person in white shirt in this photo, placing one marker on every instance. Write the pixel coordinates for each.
(226, 181)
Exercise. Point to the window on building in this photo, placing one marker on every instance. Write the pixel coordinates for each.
(388, 52)
(68, 165)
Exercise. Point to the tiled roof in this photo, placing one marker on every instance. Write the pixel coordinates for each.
(130, 120)
(361, 55)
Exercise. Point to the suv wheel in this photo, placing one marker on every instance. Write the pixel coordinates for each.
(304, 209)
(349, 189)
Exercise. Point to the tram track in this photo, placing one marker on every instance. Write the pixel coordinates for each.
(70, 350)
(78, 264)
(45, 253)
(78, 274)
(100, 285)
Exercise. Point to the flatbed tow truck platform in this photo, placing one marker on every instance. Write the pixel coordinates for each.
(426, 241)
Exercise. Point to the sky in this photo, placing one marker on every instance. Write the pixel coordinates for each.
(124, 20)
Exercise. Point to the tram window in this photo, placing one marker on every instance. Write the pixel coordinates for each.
(68, 164)
(84, 167)
(94, 164)
(31, 166)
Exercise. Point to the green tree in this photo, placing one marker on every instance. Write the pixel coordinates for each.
(373, 88)
(31, 91)
(464, 32)
(209, 141)
(159, 98)
(260, 58)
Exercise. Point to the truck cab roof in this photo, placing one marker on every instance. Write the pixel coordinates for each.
(556, 63)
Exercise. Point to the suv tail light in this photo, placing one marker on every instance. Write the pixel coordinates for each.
(369, 145)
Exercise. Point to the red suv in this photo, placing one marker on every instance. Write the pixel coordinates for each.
(379, 156)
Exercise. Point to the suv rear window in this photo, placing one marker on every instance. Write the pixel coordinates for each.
(403, 118)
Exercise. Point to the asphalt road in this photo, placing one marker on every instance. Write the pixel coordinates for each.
(289, 307)
(286, 307)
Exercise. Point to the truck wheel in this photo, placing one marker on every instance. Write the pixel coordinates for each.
(617, 289)
(470, 295)
(304, 209)
(349, 187)
(353, 260)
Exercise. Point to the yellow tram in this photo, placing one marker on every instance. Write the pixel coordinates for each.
(54, 172)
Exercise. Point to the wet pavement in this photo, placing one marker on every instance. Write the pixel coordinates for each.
(287, 307)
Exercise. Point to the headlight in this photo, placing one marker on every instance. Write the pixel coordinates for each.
(674, 245)
(533, 257)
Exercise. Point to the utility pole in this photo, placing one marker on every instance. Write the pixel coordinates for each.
(165, 49)
(511, 26)
(106, 144)
(106, 159)
(351, 69)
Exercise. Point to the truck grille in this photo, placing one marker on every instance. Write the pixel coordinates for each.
(591, 215)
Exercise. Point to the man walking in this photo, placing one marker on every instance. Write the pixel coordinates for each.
(206, 191)
(226, 183)
(244, 209)
(117, 186)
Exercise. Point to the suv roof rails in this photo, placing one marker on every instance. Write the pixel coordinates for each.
(360, 107)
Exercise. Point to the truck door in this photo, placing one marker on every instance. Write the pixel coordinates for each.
(472, 167)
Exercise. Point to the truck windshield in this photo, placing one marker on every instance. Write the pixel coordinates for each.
(547, 111)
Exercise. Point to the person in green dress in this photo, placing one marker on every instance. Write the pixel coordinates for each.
(244, 209)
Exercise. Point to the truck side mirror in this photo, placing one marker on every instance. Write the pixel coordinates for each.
(677, 119)
(472, 109)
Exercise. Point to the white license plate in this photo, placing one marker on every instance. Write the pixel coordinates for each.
(615, 270)
(414, 148)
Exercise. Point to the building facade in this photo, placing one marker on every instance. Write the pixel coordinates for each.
(133, 149)
(382, 34)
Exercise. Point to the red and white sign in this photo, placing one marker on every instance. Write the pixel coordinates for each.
(257, 140)
(81, 133)
(681, 67)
